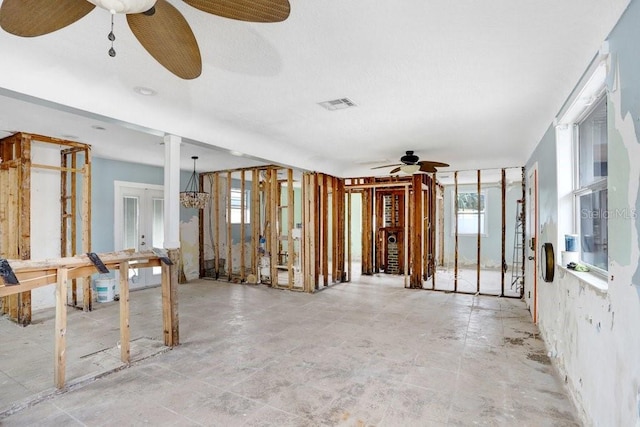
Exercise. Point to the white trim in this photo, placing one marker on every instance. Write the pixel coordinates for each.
(589, 278)
(585, 94)
(117, 205)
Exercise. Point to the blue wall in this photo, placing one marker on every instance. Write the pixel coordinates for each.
(104, 172)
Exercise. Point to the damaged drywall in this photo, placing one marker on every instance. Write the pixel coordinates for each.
(589, 323)
(189, 248)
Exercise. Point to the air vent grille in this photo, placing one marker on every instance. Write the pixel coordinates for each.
(338, 104)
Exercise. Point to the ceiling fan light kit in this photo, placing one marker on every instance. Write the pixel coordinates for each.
(159, 26)
(410, 169)
(124, 6)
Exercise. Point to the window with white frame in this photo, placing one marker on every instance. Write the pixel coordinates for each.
(236, 206)
(590, 188)
(470, 205)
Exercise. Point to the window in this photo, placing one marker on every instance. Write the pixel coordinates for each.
(470, 205)
(590, 192)
(236, 206)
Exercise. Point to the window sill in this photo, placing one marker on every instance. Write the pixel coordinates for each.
(592, 279)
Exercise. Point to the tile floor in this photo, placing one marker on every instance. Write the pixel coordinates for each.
(355, 354)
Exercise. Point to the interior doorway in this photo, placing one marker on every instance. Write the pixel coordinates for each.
(139, 225)
(532, 221)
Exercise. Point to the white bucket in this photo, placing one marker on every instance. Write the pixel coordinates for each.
(106, 289)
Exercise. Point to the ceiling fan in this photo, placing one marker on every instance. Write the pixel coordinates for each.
(158, 26)
(412, 164)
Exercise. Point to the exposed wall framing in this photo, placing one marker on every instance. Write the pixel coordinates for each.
(15, 208)
(290, 233)
(396, 234)
(479, 240)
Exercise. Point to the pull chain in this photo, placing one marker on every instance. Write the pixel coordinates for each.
(112, 37)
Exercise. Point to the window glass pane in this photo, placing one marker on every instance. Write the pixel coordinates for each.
(592, 134)
(470, 205)
(157, 239)
(236, 205)
(130, 238)
(468, 224)
(593, 228)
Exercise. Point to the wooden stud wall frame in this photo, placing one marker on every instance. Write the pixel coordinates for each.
(15, 209)
(411, 210)
(287, 244)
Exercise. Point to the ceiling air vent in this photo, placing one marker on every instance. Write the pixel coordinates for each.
(337, 104)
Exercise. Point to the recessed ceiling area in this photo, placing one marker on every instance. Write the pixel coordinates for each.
(472, 84)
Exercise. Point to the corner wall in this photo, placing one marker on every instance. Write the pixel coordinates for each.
(592, 334)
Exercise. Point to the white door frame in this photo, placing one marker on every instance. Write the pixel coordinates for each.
(532, 242)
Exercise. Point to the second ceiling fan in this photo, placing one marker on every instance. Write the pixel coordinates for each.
(410, 163)
(159, 26)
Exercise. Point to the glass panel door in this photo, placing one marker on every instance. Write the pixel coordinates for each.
(140, 227)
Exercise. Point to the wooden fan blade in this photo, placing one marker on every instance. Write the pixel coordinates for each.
(434, 164)
(245, 10)
(426, 167)
(394, 170)
(386, 166)
(167, 36)
(31, 18)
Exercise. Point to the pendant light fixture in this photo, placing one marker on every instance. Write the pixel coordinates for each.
(192, 197)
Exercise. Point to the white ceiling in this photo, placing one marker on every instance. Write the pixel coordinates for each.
(471, 83)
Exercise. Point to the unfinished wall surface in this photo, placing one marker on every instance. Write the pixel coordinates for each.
(45, 216)
(189, 248)
(592, 334)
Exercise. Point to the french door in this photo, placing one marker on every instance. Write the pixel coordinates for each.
(139, 225)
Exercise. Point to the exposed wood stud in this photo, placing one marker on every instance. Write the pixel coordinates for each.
(229, 263)
(406, 237)
(242, 226)
(170, 299)
(59, 366)
(455, 216)
(433, 221)
(201, 215)
(216, 221)
(440, 214)
(317, 212)
(125, 351)
(305, 229)
(417, 233)
(479, 235)
(503, 235)
(290, 225)
(255, 221)
(86, 228)
(274, 234)
(367, 231)
(349, 236)
(325, 229)
(24, 209)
